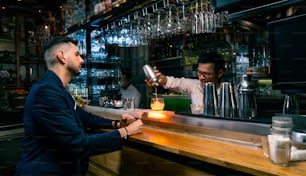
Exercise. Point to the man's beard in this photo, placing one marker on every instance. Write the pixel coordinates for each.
(74, 71)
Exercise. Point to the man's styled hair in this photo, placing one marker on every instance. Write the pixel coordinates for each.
(215, 58)
(58, 39)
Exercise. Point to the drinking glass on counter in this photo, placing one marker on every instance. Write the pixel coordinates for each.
(157, 104)
(280, 149)
(197, 109)
(279, 140)
(281, 125)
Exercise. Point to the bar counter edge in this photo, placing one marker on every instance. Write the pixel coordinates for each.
(162, 150)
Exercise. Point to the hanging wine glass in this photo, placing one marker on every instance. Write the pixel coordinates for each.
(133, 30)
(130, 33)
(108, 36)
(126, 31)
(189, 11)
(169, 27)
(159, 28)
(148, 27)
(179, 23)
(209, 18)
(195, 20)
(146, 22)
(201, 22)
(181, 17)
(139, 32)
(119, 29)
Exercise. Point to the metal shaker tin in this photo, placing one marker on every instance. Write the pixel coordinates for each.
(150, 74)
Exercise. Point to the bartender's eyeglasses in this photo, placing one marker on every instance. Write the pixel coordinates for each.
(205, 74)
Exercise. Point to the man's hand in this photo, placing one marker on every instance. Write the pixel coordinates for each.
(135, 127)
(127, 119)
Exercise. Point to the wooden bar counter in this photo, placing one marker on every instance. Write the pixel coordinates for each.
(171, 145)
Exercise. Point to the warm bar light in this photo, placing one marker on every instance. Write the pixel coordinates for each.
(156, 114)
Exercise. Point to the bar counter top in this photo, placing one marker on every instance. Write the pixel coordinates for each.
(230, 149)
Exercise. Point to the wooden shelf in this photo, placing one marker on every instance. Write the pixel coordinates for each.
(7, 61)
(11, 61)
(32, 61)
(6, 40)
(167, 59)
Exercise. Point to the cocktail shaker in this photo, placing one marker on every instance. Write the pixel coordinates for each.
(150, 74)
(246, 98)
(227, 101)
(210, 99)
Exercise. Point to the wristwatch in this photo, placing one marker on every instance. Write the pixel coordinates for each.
(116, 124)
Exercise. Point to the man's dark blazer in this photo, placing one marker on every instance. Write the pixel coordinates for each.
(56, 141)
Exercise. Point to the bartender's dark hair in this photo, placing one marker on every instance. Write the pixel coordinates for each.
(58, 39)
(215, 58)
(127, 73)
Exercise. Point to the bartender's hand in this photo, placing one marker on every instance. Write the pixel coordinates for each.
(162, 79)
(149, 83)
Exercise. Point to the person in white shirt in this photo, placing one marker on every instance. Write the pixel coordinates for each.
(211, 68)
(128, 90)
